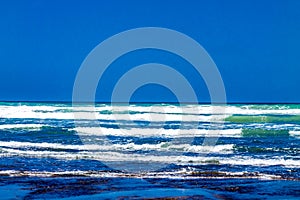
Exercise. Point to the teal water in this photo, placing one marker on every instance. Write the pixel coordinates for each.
(55, 151)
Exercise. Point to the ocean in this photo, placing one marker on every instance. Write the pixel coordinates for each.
(149, 151)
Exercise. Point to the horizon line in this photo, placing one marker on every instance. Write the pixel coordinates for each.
(143, 102)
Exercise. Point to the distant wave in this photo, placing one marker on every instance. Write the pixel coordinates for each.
(157, 113)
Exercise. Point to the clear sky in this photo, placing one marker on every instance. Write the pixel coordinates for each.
(254, 43)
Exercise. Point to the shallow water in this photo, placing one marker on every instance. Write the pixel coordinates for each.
(149, 151)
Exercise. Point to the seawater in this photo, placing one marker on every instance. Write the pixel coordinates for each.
(149, 151)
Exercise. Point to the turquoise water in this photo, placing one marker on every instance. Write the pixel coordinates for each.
(52, 150)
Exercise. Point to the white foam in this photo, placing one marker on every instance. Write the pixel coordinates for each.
(159, 132)
(90, 113)
(181, 174)
(125, 157)
(215, 110)
(163, 146)
(294, 133)
(247, 160)
(12, 126)
(149, 113)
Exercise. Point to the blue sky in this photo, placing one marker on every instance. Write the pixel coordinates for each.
(255, 45)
